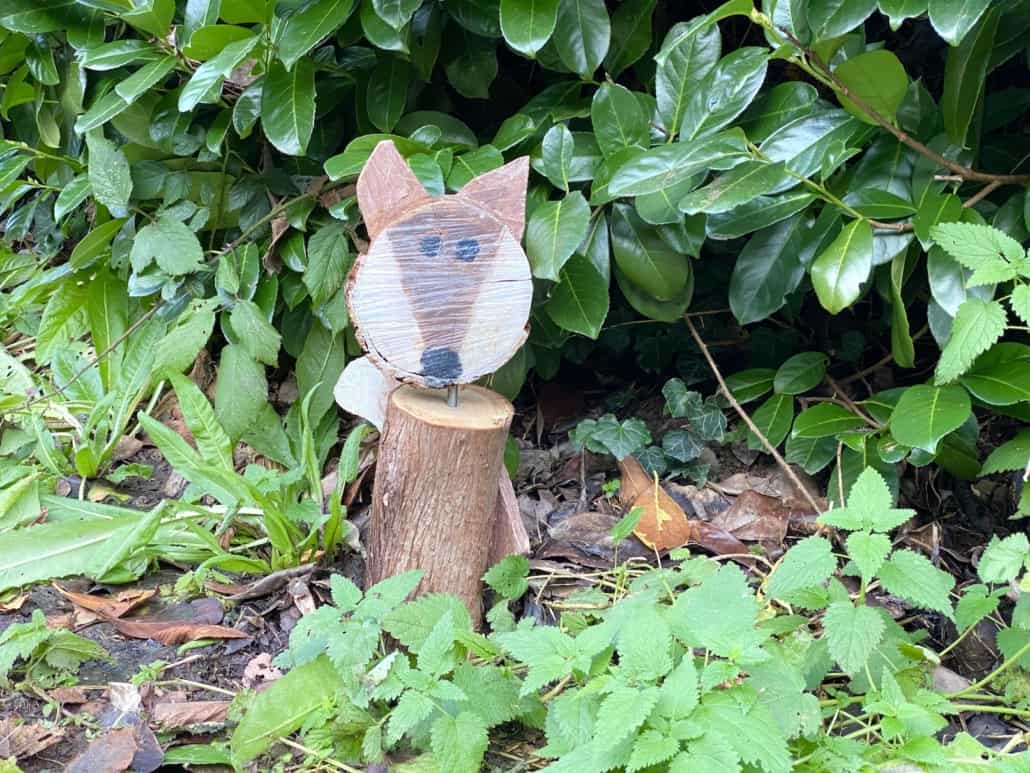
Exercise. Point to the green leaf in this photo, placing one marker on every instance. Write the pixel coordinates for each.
(978, 325)
(1004, 559)
(800, 373)
(288, 106)
(555, 229)
(1019, 300)
(631, 35)
(311, 24)
(255, 333)
(328, 261)
(682, 445)
(470, 165)
(556, 152)
(998, 382)
(852, 634)
(213, 443)
(773, 418)
(925, 414)
(145, 78)
(825, 420)
(580, 301)
(206, 81)
(974, 606)
(387, 93)
(748, 385)
(809, 563)
(868, 551)
(832, 18)
(954, 18)
(651, 748)
(177, 350)
(527, 24)
(109, 175)
(900, 10)
(396, 13)
(644, 257)
(94, 244)
(645, 649)
(71, 196)
(869, 506)
(719, 614)
(734, 188)
(241, 391)
(412, 708)
(965, 71)
(618, 119)
(174, 246)
(912, 577)
(812, 454)
(980, 248)
(283, 707)
(508, 577)
(668, 165)
(107, 307)
(582, 34)
(320, 364)
(622, 711)
(688, 54)
(804, 143)
(841, 269)
(459, 742)
(621, 438)
(726, 92)
(878, 79)
(767, 270)
(1009, 456)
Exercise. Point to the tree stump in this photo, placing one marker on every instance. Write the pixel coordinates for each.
(435, 495)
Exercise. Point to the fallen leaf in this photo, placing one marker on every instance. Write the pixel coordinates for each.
(225, 588)
(635, 481)
(25, 740)
(14, 604)
(585, 538)
(175, 632)
(108, 606)
(718, 541)
(260, 671)
(65, 695)
(169, 716)
(755, 517)
(110, 753)
(663, 525)
(301, 595)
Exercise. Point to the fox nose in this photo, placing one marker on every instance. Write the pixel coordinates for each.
(441, 365)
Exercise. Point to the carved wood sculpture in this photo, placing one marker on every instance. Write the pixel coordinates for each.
(440, 298)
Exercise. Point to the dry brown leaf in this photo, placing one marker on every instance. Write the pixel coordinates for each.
(14, 604)
(635, 481)
(663, 524)
(260, 671)
(69, 695)
(175, 631)
(169, 716)
(110, 753)
(755, 517)
(25, 740)
(115, 606)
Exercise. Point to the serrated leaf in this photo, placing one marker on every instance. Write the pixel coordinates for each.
(1004, 559)
(621, 713)
(678, 695)
(974, 606)
(170, 243)
(412, 623)
(869, 506)
(459, 742)
(868, 551)
(1010, 456)
(412, 708)
(977, 326)
(645, 648)
(977, 246)
(651, 748)
(912, 577)
(547, 652)
(852, 634)
(925, 414)
(1019, 301)
(809, 563)
(508, 577)
(719, 614)
(256, 334)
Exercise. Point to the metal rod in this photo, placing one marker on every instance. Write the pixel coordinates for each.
(452, 396)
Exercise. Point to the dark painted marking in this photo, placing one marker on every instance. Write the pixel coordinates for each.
(466, 250)
(440, 364)
(430, 246)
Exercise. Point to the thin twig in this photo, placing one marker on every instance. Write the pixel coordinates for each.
(851, 404)
(887, 358)
(747, 419)
(987, 190)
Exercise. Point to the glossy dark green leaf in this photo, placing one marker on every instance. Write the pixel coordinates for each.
(327, 263)
(925, 414)
(556, 153)
(688, 54)
(631, 35)
(902, 346)
(474, 68)
(810, 454)
(831, 18)
(731, 189)
(645, 303)
(288, 106)
(935, 209)
(878, 79)
(900, 10)
(773, 418)
(94, 244)
(825, 420)
(767, 271)
(320, 364)
(582, 35)
(380, 34)
(469, 165)
(309, 25)
(800, 373)
(527, 25)
(580, 301)
(644, 257)
(554, 231)
(762, 212)
(670, 164)
(954, 18)
(387, 93)
(203, 84)
(776, 108)
(32, 17)
(725, 92)
(965, 71)
(396, 13)
(803, 144)
(748, 385)
(841, 269)
(999, 383)
(618, 119)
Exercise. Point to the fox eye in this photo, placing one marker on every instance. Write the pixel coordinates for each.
(466, 250)
(430, 246)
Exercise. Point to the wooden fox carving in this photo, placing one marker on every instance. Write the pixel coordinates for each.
(442, 295)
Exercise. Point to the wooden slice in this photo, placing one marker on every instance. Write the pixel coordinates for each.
(442, 296)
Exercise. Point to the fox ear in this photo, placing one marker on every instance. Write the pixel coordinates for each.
(387, 188)
(502, 193)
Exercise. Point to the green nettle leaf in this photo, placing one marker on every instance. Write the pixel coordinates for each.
(868, 551)
(773, 418)
(288, 106)
(582, 35)
(878, 79)
(988, 252)
(925, 414)
(1010, 456)
(170, 243)
(831, 18)
(726, 92)
(800, 373)
(554, 231)
(734, 188)
(255, 332)
(644, 257)
(387, 93)
(806, 565)
(580, 301)
(825, 420)
(304, 29)
(689, 53)
(911, 576)
(840, 271)
(1004, 559)
(618, 119)
(1019, 300)
(977, 326)
(852, 634)
(965, 71)
(527, 25)
(869, 506)
(109, 174)
(954, 18)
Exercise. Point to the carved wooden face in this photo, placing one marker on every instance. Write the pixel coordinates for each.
(443, 294)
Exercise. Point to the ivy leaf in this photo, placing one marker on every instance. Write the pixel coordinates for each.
(842, 268)
(459, 742)
(852, 634)
(169, 242)
(868, 551)
(977, 326)
(925, 414)
(809, 563)
(1010, 456)
(621, 438)
(1003, 559)
(912, 577)
(682, 445)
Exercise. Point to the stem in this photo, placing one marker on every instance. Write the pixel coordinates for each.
(975, 686)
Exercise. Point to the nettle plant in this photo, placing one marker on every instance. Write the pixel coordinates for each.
(686, 667)
(703, 419)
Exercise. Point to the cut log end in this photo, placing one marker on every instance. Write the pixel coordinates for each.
(478, 409)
